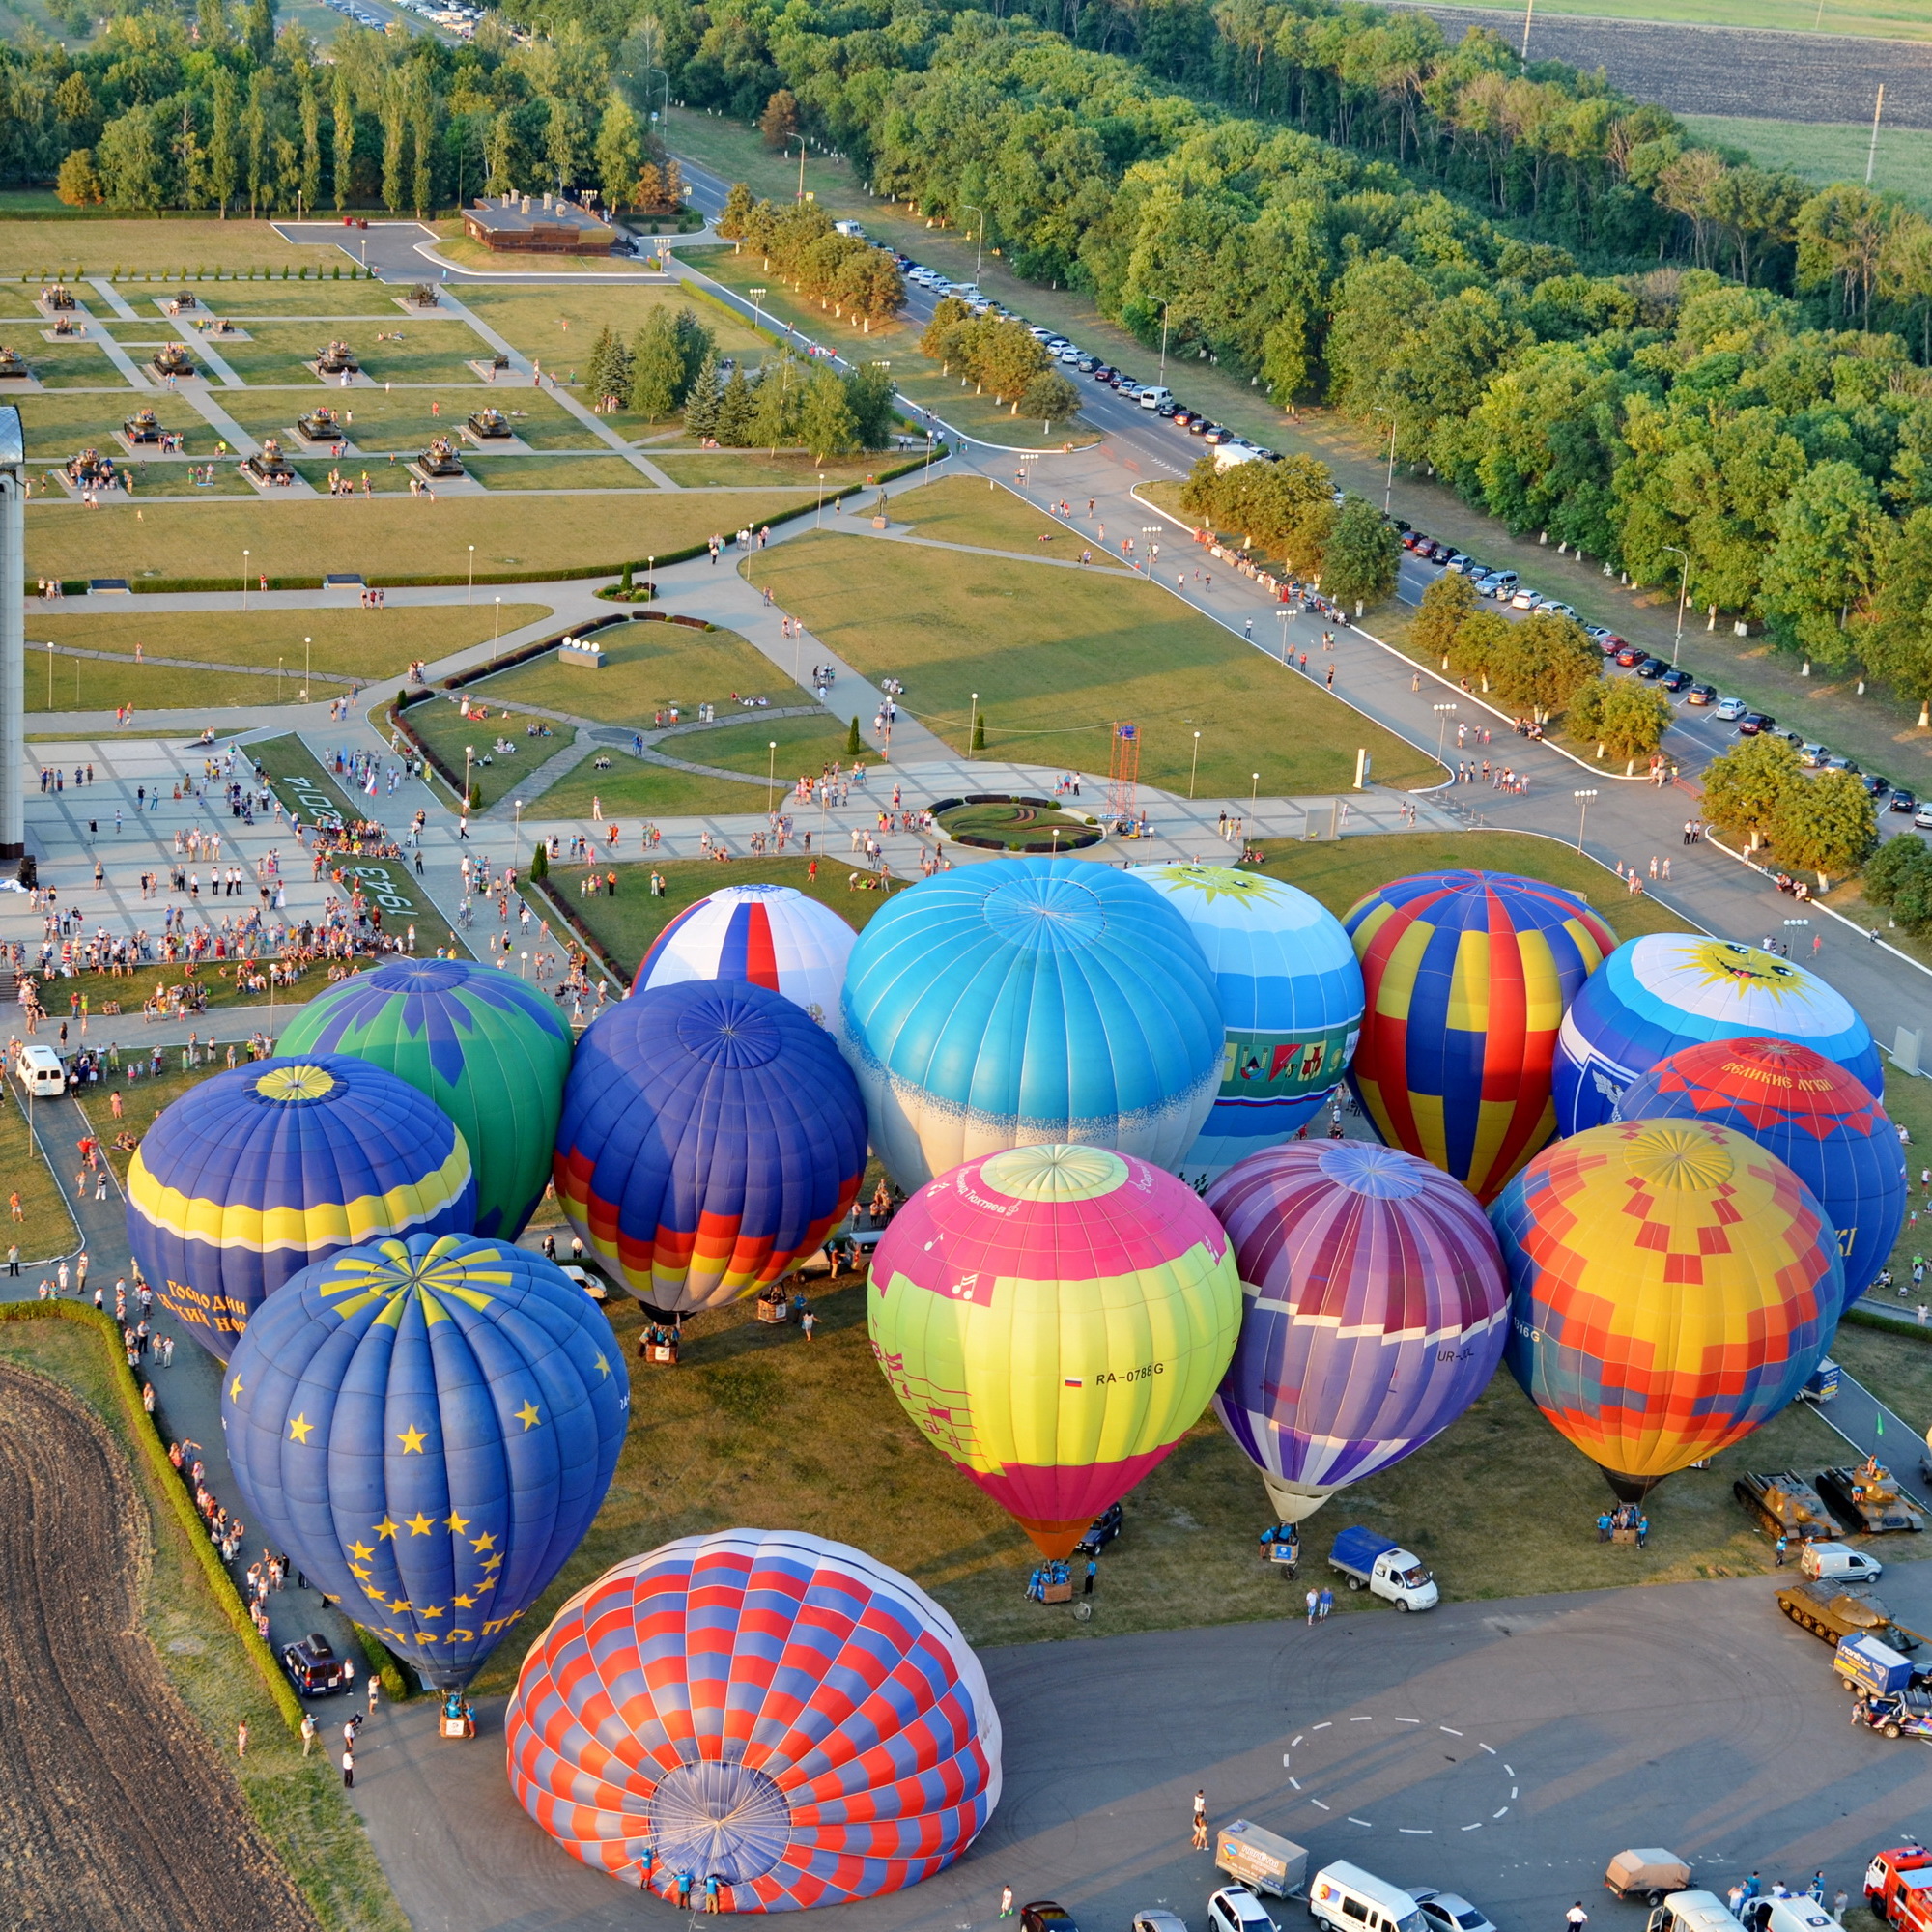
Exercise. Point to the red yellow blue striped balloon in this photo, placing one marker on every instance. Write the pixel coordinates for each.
(1055, 1318)
(256, 1173)
(1671, 1287)
(768, 1709)
(1468, 977)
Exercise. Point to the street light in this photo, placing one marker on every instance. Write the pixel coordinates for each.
(1164, 308)
(757, 295)
(1388, 487)
(1442, 713)
(308, 658)
(469, 594)
(771, 773)
(1582, 799)
(494, 634)
(468, 752)
(979, 238)
(244, 580)
(819, 508)
(1683, 585)
(800, 139)
(1194, 764)
(517, 836)
(973, 731)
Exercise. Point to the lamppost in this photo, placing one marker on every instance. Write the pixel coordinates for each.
(757, 295)
(800, 139)
(1282, 611)
(244, 580)
(771, 773)
(517, 836)
(1164, 308)
(979, 238)
(819, 509)
(279, 678)
(973, 731)
(1194, 764)
(468, 595)
(1388, 487)
(468, 752)
(498, 632)
(1443, 714)
(1582, 799)
(308, 659)
(1253, 787)
(1146, 563)
(1683, 587)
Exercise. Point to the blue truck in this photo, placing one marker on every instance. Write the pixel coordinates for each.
(1873, 1668)
(1373, 1562)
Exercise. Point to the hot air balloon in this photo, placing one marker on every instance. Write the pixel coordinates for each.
(1290, 994)
(1376, 1312)
(428, 1427)
(488, 1050)
(1672, 1285)
(1055, 1318)
(256, 1173)
(1820, 1121)
(1028, 1000)
(764, 1707)
(771, 935)
(1468, 977)
(711, 1137)
(1673, 989)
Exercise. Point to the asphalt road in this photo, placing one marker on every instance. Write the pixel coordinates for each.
(1502, 1749)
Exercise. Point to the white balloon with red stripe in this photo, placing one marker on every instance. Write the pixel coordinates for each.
(772, 936)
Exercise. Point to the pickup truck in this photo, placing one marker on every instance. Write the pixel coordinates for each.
(1371, 1562)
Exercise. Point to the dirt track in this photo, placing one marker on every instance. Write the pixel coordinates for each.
(114, 1808)
(1780, 76)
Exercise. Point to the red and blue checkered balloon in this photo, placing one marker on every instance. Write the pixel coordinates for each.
(778, 1712)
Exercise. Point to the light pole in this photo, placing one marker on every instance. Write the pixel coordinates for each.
(1683, 587)
(819, 509)
(279, 678)
(1194, 764)
(757, 295)
(1164, 308)
(978, 239)
(1442, 713)
(1282, 611)
(468, 752)
(973, 731)
(517, 836)
(1253, 787)
(1388, 487)
(308, 659)
(1582, 799)
(244, 580)
(800, 139)
(498, 632)
(771, 773)
(469, 596)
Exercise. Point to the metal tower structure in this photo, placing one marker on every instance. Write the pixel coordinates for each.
(13, 637)
(1124, 772)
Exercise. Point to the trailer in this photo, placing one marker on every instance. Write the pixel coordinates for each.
(1261, 1861)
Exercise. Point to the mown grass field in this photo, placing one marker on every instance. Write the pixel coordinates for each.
(510, 532)
(1826, 152)
(749, 469)
(1055, 656)
(379, 420)
(506, 775)
(157, 250)
(956, 510)
(1889, 19)
(47, 1228)
(606, 471)
(58, 426)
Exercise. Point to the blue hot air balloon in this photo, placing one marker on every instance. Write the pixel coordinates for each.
(1291, 993)
(251, 1176)
(1025, 1001)
(1674, 989)
(428, 1426)
(1820, 1121)
(711, 1136)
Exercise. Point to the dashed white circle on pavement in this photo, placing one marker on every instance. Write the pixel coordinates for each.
(1341, 1775)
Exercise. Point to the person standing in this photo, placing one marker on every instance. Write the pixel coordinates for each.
(1779, 1563)
(242, 1740)
(1314, 1606)
(308, 1732)
(1006, 1901)
(1326, 1602)
(1093, 1571)
(348, 1768)
(1576, 1918)
(1199, 1807)
(375, 1691)
(711, 1891)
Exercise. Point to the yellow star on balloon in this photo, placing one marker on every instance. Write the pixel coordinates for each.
(420, 1525)
(413, 1440)
(388, 1527)
(465, 1603)
(300, 1429)
(362, 1550)
(484, 1542)
(235, 1388)
(432, 1610)
(455, 1525)
(603, 1368)
(528, 1415)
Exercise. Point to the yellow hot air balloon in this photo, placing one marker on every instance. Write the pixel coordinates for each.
(1055, 1318)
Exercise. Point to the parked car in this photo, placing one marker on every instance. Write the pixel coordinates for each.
(1235, 1909)
(1200, 426)
(1448, 1910)
(1561, 609)
(1086, 365)
(1839, 1560)
(1902, 800)
(1609, 643)
(1045, 1915)
(1648, 667)
(1165, 411)
(1701, 693)
(1754, 721)
(1731, 708)
(1501, 584)
(1875, 786)
(1630, 654)
(1524, 598)
(1154, 395)
(1466, 565)
(1923, 818)
(1676, 678)
(1785, 1504)
(313, 1666)
(1441, 552)
(1159, 1919)
(1181, 418)
(1215, 433)
(1103, 1529)
(1869, 1499)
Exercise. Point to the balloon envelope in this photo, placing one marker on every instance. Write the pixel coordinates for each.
(762, 1706)
(1290, 994)
(1055, 1318)
(1468, 975)
(1030, 1000)
(711, 1137)
(428, 1427)
(772, 936)
(1820, 1121)
(256, 1173)
(1375, 1309)
(1672, 1285)
(490, 1050)
(1674, 989)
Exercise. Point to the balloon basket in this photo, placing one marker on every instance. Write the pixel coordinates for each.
(1623, 1536)
(662, 1355)
(1056, 1593)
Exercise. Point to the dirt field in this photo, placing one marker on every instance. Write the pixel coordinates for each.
(114, 1808)
(1726, 69)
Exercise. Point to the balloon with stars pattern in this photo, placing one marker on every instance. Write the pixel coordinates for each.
(428, 1426)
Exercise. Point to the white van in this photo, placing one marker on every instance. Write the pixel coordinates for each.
(1839, 1559)
(1153, 398)
(1345, 1898)
(1792, 1915)
(1692, 1911)
(39, 1070)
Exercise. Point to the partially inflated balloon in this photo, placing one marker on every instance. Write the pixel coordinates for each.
(772, 936)
(1055, 1318)
(779, 1713)
(711, 1136)
(428, 1427)
(1674, 989)
(1290, 994)
(1030, 1000)
(1468, 975)
(490, 1050)
(256, 1173)
(1375, 1311)
(1820, 1121)
(1672, 1285)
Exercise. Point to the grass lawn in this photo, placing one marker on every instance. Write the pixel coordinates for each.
(558, 326)
(277, 352)
(57, 426)
(81, 364)
(1056, 656)
(955, 510)
(439, 724)
(606, 471)
(161, 250)
(48, 1227)
(298, 1803)
(94, 684)
(1896, 1366)
(297, 538)
(404, 419)
(648, 667)
(744, 468)
(460, 251)
(351, 643)
(1891, 19)
(321, 301)
(1825, 153)
(383, 478)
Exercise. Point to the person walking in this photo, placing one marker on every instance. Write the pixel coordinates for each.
(1576, 1918)
(1779, 1564)
(375, 1692)
(348, 1769)
(308, 1732)
(807, 1322)
(1093, 1571)
(1200, 1808)
(242, 1740)
(1325, 1604)
(1314, 1606)
(1006, 1901)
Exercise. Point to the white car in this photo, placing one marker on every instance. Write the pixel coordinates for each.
(1448, 1910)
(592, 1285)
(1069, 353)
(1526, 599)
(1235, 1909)
(1731, 709)
(1561, 609)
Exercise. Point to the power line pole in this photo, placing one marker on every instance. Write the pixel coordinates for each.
(1528, 15)
(1871, 158)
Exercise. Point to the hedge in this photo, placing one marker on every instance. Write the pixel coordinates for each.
(544, 889)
